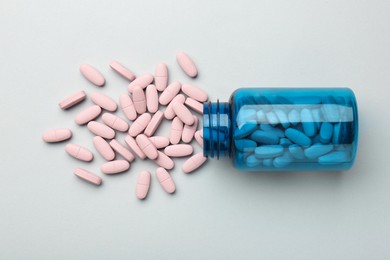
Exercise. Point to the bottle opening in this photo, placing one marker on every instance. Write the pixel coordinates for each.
(216, 129)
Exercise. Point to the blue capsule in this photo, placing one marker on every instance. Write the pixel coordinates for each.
(309, 127)
(282, 116)
(282, 161)
(285, 142)
(245, 145)
(335, 157)
(264, 137)
(267, 162)
(326, 132)
(269, 128)
(297, 137)
(296, 151)
(317, 150)
(294, 117)
(252, 161)
(268, 151)
(245, 129)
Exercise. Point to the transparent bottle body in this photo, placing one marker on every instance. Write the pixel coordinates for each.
(284, 129)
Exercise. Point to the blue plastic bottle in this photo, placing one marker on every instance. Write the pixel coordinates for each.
(284, 129)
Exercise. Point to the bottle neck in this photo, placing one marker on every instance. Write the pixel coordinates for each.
(216, 129)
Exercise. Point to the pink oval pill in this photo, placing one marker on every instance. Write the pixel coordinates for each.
(72, 100)
(139, 100)
(178, 150)
(79, 152)
(154, 123)
(194, 162)
(151, 99)
(92, 74)
(199, 138)
(169, 93)
(165, 180)
(141, 82)
(201, 132)
(143, 184)
(103, 101)
(130, 141)
(115, 122)
(101, 130)
(186, 64)
(161, 76)
(189, 131)
(139, 124)
(159, 141)
(57, 135)
(176, 130)
(194, 92)
(103, 148)
(88, 176)
(114, 167)
(164, 161)
(194, 105)
(87, 115)
(127, 106)
(183, 113)
(122, 70)
(121, 150)
(169, 113)
(146, 146)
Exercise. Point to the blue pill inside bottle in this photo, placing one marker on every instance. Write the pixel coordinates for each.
(283, 129)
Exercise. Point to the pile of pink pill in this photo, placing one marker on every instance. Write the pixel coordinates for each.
(143, 113)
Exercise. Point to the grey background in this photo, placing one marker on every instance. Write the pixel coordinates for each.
(217, 212)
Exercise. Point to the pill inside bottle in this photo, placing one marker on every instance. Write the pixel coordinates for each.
(283, 129)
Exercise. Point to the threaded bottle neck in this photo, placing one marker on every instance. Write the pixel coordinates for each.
(216, 129)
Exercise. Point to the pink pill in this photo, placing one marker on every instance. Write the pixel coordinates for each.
(169, 93)
(169, 113)
(103, 148)
(165, 180)
(151, 99)
(103, 101)
(122, 70)
(164, 161)
(183, 113)
(159, 141)
(161, 76)
(72, 100)
(127, 106)
(121, 150)
(92, 74)
(189, 131)
(194, 92)
(176, 131)
(178, 150)
(143, 184)
(79, 152)
(199, 138)
(57, 135)
(139, 124)
(114, 167)
(194, 162)
(154, 123)
(147, 147)
(88, 176)
(141, 82)
(195, 105)
(101, 130)
(186, 64)
(115, 122)
(139, 100)
(201, 132)
(87, 115)
(130, 141)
